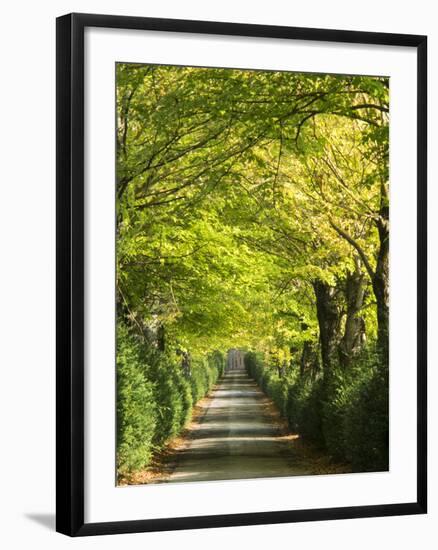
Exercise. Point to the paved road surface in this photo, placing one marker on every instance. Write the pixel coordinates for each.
(237, 437)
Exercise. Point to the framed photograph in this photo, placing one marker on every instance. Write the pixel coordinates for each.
(241, 274)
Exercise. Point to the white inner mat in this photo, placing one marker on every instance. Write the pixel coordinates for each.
(104, 501)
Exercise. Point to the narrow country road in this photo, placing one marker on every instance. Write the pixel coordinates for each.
(237, 437)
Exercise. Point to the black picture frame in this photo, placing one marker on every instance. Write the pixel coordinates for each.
(70, 273)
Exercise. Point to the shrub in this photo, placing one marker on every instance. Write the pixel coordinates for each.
(136, 407)
(344, 412)
(198, 382)
(366, 423)
(173, 394)
(355, 413)
(217, 361)
(337, 391)
(304, 409)
(154, 397)
(254, 366)
(204, 374)
(186, 399)
(270, 382)
(278, 388)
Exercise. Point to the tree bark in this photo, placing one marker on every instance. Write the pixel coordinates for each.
(309, 361)
(161, 337)
(381, 288)
(354, 332)
(380, 275)
(329, 319)
(186, 363)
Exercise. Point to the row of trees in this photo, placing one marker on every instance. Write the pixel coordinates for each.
(253, 211)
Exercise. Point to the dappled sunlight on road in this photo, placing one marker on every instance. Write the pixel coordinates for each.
(237, 437)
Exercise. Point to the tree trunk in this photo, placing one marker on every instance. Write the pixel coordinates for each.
(309, 361)
(381, 288)
(380, 275)
(305, 358)
(161, 337)
(328, 320)
(186, 362)
(354, 332)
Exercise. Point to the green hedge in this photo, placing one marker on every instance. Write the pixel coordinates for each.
(366, 421)
(204, 373)
(346, 413)
(304, 409)
(154, 397)
(136, 408)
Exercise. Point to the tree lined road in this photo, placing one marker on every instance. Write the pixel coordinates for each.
(252, 214)
(238, 437)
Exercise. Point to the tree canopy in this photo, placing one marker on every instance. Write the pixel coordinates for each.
(238, 191)
(253, 213)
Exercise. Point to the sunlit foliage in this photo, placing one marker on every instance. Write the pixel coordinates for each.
(253, 212)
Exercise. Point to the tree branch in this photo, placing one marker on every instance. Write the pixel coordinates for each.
(356, 245)
(371, 106)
